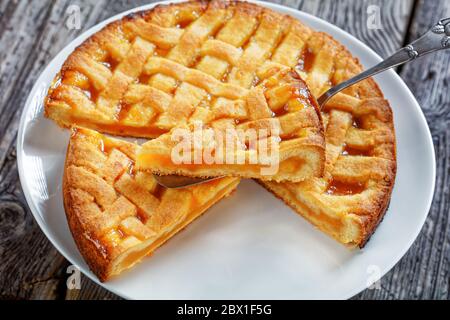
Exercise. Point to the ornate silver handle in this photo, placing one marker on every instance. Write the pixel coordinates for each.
(437, 38)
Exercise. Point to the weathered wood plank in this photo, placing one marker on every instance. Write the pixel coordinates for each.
(27, 45)
(384, 33)
(424, 272)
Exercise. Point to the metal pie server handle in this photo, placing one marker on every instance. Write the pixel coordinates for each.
(178, 182)
(437, 38)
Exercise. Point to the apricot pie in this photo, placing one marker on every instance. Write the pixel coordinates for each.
(118, 215)
(216, 65)
(183, 64)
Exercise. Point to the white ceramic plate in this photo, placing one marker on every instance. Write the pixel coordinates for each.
(250, 246)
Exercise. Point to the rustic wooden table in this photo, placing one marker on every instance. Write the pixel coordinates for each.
(32, 32)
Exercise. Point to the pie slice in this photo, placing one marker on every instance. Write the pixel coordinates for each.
(167, 67)
(350, 200)
(280, 138)
(117, 215)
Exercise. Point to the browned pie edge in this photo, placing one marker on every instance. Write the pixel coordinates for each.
(98, 263)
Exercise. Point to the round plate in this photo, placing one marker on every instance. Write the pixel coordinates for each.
(251, 245)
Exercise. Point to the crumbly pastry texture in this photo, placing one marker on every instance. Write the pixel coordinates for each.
(138, 78)
(117, 215)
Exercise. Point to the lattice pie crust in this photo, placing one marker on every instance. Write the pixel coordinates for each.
(155, 70)
(281, 140)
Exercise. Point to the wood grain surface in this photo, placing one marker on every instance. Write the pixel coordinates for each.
(33, 32)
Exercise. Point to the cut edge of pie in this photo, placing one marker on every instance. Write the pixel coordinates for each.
(118, 216)
(358, 122)
(182, 63)
(351, 199)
